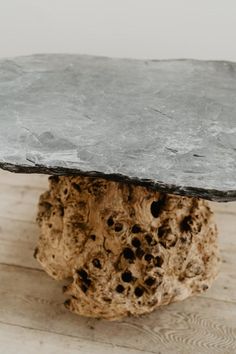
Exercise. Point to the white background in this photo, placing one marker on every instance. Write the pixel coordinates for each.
(203, 29)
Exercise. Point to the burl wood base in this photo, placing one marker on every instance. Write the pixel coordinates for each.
(127, 249)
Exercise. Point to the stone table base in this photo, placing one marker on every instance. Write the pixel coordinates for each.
(127, 249)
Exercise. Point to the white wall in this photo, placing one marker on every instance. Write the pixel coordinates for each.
(125, 28)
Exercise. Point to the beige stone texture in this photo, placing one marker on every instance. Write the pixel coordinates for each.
(126, 249)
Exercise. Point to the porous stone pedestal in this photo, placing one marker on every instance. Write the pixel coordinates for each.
(127, 249)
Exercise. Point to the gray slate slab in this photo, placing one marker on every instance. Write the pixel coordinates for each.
(170, 125)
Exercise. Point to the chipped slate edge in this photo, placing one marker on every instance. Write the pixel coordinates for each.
(209, 194)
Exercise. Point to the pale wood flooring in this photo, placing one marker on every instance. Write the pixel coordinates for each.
(33, 319)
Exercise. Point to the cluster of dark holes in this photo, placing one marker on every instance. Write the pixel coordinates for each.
(129, 254)
(117, 227)
(156, 209)
(127, 277)
(136, 243)
(86, 281)
(138, 291)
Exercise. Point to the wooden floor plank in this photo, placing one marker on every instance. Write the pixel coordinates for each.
(24, 180)
(24, 185)
(226, 224)
(31, 299)
(40, 181)
(27, 340)
(18, 240)
(31, 310)
(20, 253)
(19, 203)
(225, 208)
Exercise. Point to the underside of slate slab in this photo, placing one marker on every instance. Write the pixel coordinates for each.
(167, 124)
(127, 249)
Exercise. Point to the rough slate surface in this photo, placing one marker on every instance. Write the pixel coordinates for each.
(170, 125)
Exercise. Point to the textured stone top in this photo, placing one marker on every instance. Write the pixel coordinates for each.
(170, 125)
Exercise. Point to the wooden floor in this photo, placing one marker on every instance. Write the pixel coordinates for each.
(33, 319)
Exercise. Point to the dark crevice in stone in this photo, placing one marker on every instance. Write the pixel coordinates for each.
(157, 207)
(136, 242)
(138, 291)
(127, 276)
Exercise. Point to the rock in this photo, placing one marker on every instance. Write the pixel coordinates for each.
(165, 124)
(127, 249)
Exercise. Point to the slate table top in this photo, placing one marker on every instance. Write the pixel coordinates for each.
(169, 125)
